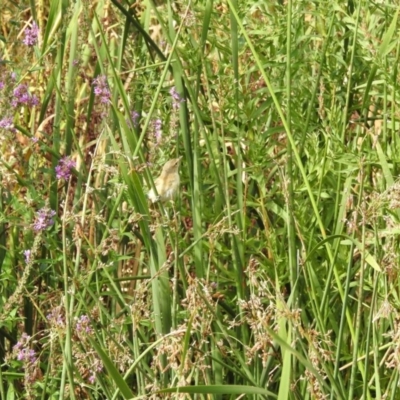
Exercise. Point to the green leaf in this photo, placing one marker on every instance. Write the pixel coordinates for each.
(113, 371)
(384, 48)
(220, 389)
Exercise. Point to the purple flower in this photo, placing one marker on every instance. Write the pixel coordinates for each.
(96, 367)
(27, 355)
(56, 318)
(13, 76)
(101, 89)
(83, 325)
(22, 341)
(176, 98)
(44, 219)
(27, 254)
(23, 97)
(24, 353)
(157, 124)
(2, 84)
(7, 124)
(135, 116)
(64, 167)
(31, 35)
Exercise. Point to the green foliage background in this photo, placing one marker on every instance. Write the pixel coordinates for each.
(274, 274)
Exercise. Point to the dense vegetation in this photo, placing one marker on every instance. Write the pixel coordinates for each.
(274, 273)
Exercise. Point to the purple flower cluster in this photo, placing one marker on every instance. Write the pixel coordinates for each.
(44, 219)
(64, 167)
(56, 318)
(97, 367)
(23, 97)
(177, 99)
(135, 116)
(157, 125)
(83, 325)
(2, 84)
(24, 353)
(7, 124)
(28, 255)
(101, 89)
(31, 35)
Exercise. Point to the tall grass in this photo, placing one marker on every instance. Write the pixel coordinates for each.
(274, 273)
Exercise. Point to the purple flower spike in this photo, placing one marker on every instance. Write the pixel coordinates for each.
(157, 130)
(176, 98)
(135, 116)
(31, 35)
(44, 219)
(7, 124)
(28, 255)
(101, 89)
(64, 167)
(23, 352)
(83, 325)
(23, 97)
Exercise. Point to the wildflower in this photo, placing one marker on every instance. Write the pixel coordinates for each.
(56, 318)
(64, 167)
(30, 360)
(157, 130)
(27, 355)
(135, 118)
(7, 124)
(2, 85)
(176, 98)
(22, 341)
(27, 254)
(83, 325)
(31, 35)
(13, 76)
(44, 219)
(23, 352)
(23, 97)
(97, 367)
(101, 89)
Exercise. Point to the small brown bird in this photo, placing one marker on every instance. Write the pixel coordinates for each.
(167, 183)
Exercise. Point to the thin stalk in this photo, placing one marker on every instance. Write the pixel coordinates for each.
(363, 266)
(289, 362)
